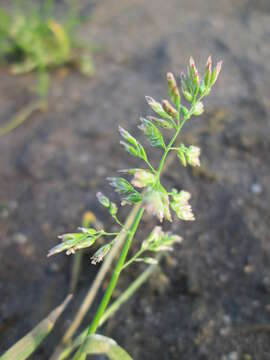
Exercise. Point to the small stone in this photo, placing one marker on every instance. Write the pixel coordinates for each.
(84, 158)
(20, 239)
(101, 170)
(248, 269)
(256, 188)
(54, 267)
(224, 331)
(4, 213)
(227, 320)
(223, 278)
(233, 356)
(256, 303)
(240, 202)
(266, 283)
(148, 310)
(12, 205)
(46, 227)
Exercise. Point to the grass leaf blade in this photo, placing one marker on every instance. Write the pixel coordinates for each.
(98, 344)
(30, 342)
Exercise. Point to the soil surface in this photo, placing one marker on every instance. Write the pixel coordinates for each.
(212, 299)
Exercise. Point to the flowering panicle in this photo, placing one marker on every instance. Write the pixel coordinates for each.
(173, 91)
(180, 205)
(159, 240)
(169, 109)
(76, 241)
(100, 254)
(156, 203)
(141, 177)
(112, 207)
(154, 199)
(189, 155)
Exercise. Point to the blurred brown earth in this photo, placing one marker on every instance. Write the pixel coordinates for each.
(214, 292)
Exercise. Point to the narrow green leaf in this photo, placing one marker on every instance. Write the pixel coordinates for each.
(128, 137)
(152, 133)
(30, 342)
(112, 207)
(123, 187)
(132, 198)
(157, 108)
(173, 90)
(131, 145)
(75, 241)
(101, 345)
(147, 260)
(181, 154)
(165, 124)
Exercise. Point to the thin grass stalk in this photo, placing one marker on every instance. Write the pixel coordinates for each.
(114, 278)
(116, 273)
(112, 309)
(22, 116)
(31, 341)
(95, 286)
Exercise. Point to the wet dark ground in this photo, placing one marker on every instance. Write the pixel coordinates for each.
(214, 292)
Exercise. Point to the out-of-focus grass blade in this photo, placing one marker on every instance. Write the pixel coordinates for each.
(22, 116)
(30, 342)
(61, 37)
(101, 345)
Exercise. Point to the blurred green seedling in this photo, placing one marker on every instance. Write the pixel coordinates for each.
(32, 39)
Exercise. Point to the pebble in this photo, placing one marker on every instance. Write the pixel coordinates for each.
(225, 331)
(266, 282)
(223, 278)
(256, 188)
(248, 269)
(12, 205)
(227, 319)
(231, 356)
(256, 303)
(4, 214)
(101, 170)
(54, 267)
(20, 239)
(84, 158)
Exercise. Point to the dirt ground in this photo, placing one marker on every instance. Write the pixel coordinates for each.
(212, 300)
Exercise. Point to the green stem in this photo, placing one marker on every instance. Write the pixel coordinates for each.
(150, 166)
(112, 309)
(179, 128)
(113, 281)
(161, 164)
(109, 234)
(117, 270)
(133, 258)
(169, 146)
(117, 221)
(128, 292)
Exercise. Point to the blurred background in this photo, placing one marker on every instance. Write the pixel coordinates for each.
(212, 298)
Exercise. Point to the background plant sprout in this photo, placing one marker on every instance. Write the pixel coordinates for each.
(31, 39)
(148, 194)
